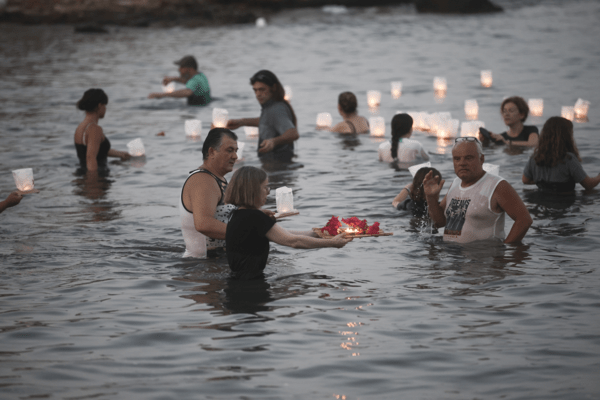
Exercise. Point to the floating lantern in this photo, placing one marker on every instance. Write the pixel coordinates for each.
(491, 168)
(385, 151)
(536, 106)
(486, 78)
(448, 129)
(568, 112)
(439, 84)
(261, 22)
(581, 108)
(288, 93)
(471, 109)
(240, 151)
(136, 148)
(285, 200)
(251, 131)
(169, 87)
(415, 168)
(420, 122)
(471, 128)
(23, 179)
(373, 98)
(377, 125)
(437, 121)
(220, 117)
(396, 90)
(193, 127)
(324, 120)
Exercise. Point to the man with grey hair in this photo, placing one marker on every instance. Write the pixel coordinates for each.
(476, 203)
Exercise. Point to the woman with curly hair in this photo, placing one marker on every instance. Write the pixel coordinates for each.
(555, 165)
(514, 111)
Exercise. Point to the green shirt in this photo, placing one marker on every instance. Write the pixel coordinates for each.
(199, 85)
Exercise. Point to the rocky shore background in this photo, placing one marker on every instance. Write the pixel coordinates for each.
(195, 12)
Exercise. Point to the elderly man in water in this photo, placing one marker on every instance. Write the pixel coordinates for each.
(476, 203)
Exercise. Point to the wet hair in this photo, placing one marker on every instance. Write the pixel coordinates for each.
(214, 139)
(401, 126)
(556, 140)
(418, 194)
(520, 103)
(244, 188)
(269, 79)
(91, 99)
(347, 102)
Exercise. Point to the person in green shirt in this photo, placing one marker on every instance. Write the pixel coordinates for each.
(196, 89)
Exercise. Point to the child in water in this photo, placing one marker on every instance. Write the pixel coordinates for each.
(412, 197)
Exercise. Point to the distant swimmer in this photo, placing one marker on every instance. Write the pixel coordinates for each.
(277, 122)
(555, 165)
(196, 89)
(348, 109)
(93, 148)
(476, 203)
(11, 200)
(514, 112)
(404, 149)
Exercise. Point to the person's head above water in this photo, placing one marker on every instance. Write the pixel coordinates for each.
(248, 188)
(347, 103)
(468, 159)
(266, 86)
(556, 140)
(514, 109)
(188, 67)
(219, 151)
(91, 99)
(417, 194)
(401, 128)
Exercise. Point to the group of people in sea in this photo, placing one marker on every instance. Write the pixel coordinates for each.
(220, 218)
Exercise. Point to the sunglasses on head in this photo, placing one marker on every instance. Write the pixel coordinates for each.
(466, 139)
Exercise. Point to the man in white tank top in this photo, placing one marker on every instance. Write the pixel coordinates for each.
(476, 203)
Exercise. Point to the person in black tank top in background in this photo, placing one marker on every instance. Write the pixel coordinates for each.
(352, 123)
(514, 111)
(93, 148)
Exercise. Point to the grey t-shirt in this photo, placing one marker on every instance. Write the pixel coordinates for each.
(560, 178)
(275, 119)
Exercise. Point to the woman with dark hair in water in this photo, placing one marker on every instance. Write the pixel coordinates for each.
(412, 196)
(93, 148)
(352, 123)
(404, 149)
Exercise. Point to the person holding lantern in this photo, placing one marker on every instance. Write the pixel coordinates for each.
(277, 122)
(514, 111)
(197, 90)
(352, 123)
(11, 200)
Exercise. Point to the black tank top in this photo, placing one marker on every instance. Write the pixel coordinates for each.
(101, 157)
(222, 185)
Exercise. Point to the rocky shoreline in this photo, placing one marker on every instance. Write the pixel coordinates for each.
(92, 14)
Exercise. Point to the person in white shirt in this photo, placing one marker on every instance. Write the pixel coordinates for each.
(404, 149)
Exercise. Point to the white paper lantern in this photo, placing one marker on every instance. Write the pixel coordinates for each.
(373, 98)
(491, 168)
(193, 127)
(377, 125)
(471, 109)
(415, 168)
(568, 112)
(437, 121)
(385, 152)
(448, 129)
(220, 117)
(240, 151)
(581, 108)
(169, 87)
(471, 128)
(285, 200)
(536, 107)
(439, 84)
(420, 122)
(486, 78)
(324, 120)
(261, 22)
(396, 89)
(251, 132)
(23, 179)
(136, 148)
(288, 93)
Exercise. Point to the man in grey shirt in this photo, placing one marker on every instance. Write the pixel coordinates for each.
(277, 122)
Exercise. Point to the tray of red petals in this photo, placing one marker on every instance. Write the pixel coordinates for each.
(354, 227)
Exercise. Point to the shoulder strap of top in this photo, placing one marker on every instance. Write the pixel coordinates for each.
(351, 126)
(221, 182)
(84, 132)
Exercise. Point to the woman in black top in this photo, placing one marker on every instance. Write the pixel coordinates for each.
(249, 230)
(514, 112)
(92, 146)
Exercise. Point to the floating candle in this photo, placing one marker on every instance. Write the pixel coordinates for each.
(471, 109)
(284, 199)
(220, 117)
(324, 120)
(23, 179)
(491, 168)
(439, 84)
(486, 78)
(581, 108)
(136, 148)
(536, 107)
(396, 89)
(471, 128)
(193, 127)
(373, 98)
(377, 125)
(568, 112)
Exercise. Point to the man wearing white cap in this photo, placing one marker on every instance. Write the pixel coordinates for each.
(196, 89)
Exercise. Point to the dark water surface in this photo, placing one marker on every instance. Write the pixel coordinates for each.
(96, 301)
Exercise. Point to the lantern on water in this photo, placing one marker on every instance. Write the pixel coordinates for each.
(285, 199)
(439, 84)
(396, 90)
(240, 151)
(136, 148)
(568, 112)
(251, 131)
(288, 93)
(536, 106)
(471, 128)
(491, 168)
(373, 98)
(23, 179)
(437, 121)
(193, 127)
(385, 152)
(581, 108)
(448, 129)
(377, 125)
(486, 78)
(324, 120)
(169, 87)
(471, 109)
(421, 121)
(415, 168)
(261, 22)
(220, 117)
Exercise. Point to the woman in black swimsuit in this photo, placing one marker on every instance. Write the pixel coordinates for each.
(93, 148)
(353, 123)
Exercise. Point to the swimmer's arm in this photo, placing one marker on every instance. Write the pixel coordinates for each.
(303, 233)
(527, 181)
(506, 199)
(12, 200)
(288, 136)
(590, 183)
(204, 205)
(120, 154)
(403, 195)
(281, 236)
(177, 93)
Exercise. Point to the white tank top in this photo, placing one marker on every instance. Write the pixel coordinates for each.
(469, 215)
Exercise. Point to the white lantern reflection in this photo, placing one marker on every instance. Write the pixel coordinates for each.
(471, 109)
(136, 148)
(581, 108)
(284, 199)
(471, 128)
(220, 117)
(23, 179)
(240, 151)
(491, 168)
(536, 107)
(486, 78)
(193, 127)
(568, 112)
(288, 93)
(169, 87)
(373, 98)
(385, 152)
(396, 89)
(377, 125)
(324, 120)
(251, 132)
